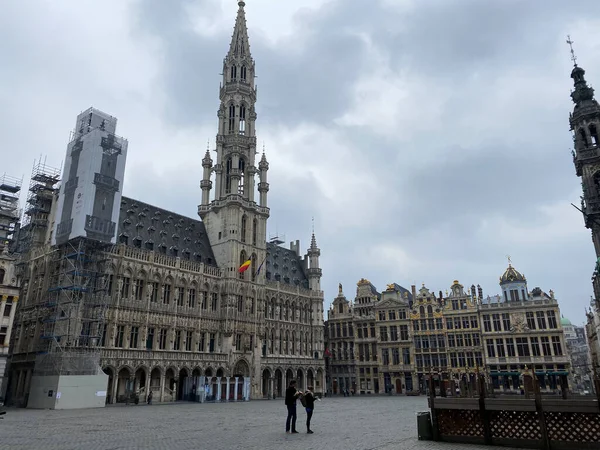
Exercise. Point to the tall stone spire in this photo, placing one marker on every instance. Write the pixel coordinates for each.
(240, 45)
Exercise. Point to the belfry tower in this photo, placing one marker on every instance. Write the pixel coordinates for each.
(235, 222)
(585, 124)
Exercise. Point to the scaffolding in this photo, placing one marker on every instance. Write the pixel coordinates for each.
(10, 213)
(42, 186)
(74, 309)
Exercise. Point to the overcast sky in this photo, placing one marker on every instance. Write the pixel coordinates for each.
(429, 139)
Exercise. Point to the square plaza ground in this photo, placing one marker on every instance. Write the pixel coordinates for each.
(381, 423)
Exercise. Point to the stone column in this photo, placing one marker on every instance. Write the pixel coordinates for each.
(235, 389)
(162, 387)
(115, 386)
(270, 388)
(227, 389)
(246, 381)
(147, 386)
(218, 393)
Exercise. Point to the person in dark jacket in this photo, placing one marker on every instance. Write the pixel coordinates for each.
(291, 395)
(309, 400)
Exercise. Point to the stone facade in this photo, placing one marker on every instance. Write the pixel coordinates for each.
(450, 337)
(183, 321)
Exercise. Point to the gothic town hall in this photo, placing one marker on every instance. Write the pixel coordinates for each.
(180, 315)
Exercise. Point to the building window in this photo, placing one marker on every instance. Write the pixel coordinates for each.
(211, 343)
(133, 337)
(177, 341)
(2, 274)
(243, 73)
(162, 339)
(404, 332)
(490, 348)
(180, 301)
(204, 299)
(139, 289)
(243, 230)
(188, 341)
(541, 320)
(119, 336)
(254, 231)
(496, 320)
(238, 341)
(546, 346)
(396, 356)
(506, 321)
(214, 299)
(393, 333)
(552, 320)
(155, 287)
(500, 348)
(103, 337)
(556, 345)
(242, 128)
(150, 339)
(167, 294)
(202, 342)
(381, 315)
(125, 287)
(192, 298)
(240, 303)
(523, 347)
(530, 320)
(535, 346)
(487, 325)
(383, 333)
(510, 347)
(385, 355)
(8, 306)
(3, 334)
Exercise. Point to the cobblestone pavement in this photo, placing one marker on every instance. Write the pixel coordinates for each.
(369, 423)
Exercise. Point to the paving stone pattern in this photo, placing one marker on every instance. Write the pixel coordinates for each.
(368, 423)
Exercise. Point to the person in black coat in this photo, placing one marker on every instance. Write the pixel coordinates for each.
(291, 395)
(309, 401)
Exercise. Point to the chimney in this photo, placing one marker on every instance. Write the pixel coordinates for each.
(413, 289)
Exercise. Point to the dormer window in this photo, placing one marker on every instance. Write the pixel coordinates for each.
(137, 242)
(149, 245)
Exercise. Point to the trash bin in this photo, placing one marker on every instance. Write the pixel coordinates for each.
(424, 427)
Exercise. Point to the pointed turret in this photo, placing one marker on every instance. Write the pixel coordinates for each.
(314, 271)
(263, 186)
(206, 183)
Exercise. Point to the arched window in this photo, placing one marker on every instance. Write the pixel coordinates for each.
(243, 230)
(422, 311)
(281, 312)
(429, 311)
(242, 128)
(272, 343)
(254, 230)
(583, 137)
(280, 341)
(593, 134)
(243, 73)
(233, 72)
(253, 267)
(300, 341)
(286, 343)
(242, 261)
(231, 118)
(2, 273)
(293, 344)
(228, 167)
(272, 312)
(242, 167)
(266, 309)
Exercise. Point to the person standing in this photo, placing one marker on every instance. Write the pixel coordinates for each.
(309, 401)
(291, 395)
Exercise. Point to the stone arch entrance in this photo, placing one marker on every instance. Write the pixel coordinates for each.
(170, 386)
(124, 384)
(278, 383)
(266, 380)
(300, 380)
(140, 381)
(154, 387)
(310, 378)
(241, 373)
(289, 376)
(184, 388)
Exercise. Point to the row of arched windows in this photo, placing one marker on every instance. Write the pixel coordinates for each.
(234, 72)
(244, 229)
(287, 311)
(289, 343)
(241, 171)
(231, 119)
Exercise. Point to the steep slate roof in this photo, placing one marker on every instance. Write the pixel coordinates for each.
(143, 225)
(285, 266)
(403, 290)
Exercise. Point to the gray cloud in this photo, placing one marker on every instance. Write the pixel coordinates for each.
(456, 155)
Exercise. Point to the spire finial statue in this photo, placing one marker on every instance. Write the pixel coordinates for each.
(509, 260)
(573, 57)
